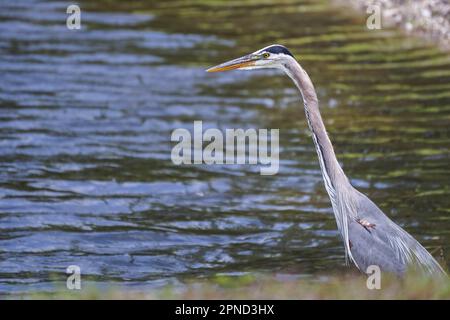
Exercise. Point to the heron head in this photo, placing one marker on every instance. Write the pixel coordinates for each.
(272, 56)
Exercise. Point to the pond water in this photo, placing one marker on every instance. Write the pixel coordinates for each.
(86, 118)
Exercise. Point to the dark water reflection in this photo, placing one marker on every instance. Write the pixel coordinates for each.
(86, 118)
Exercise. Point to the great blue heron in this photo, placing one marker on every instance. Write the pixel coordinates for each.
(370, 237)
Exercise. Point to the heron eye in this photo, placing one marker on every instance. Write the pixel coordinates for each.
(266, 55)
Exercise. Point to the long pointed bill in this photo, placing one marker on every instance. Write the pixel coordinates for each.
(242, 62)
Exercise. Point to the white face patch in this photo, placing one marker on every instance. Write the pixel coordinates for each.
(277, 56)
(273, 61)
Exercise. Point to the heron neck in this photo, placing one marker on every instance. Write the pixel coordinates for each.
(332, 172)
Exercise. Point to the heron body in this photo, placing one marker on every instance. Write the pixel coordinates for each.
(369, 236)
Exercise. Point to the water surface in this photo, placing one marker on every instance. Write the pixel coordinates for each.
(86, 118)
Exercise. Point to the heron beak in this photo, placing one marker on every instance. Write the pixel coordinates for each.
(245, 61)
